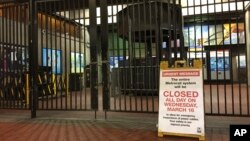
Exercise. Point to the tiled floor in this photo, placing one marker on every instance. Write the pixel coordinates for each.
(16, 125)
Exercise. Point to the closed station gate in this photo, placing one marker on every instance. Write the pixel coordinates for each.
(14, 87)
(45, 56)
(69, 54)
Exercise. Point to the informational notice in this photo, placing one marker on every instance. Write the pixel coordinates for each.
(181, 105)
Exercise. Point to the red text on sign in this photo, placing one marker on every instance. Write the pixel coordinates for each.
(181, 94)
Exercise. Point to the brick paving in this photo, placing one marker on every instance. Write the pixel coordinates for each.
(16, 125)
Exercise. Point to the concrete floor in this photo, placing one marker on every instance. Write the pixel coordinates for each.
(16, 125)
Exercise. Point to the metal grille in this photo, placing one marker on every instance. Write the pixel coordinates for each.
(143, 33)
(14, 84)
(214, 31)
(63, 56)
(80, 52)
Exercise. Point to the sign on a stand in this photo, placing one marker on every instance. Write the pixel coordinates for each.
(181, 103)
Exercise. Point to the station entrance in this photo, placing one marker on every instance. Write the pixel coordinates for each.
(91, 55)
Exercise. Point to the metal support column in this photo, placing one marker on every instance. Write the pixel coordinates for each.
(33, 53)
(104, 47)
(93, 55)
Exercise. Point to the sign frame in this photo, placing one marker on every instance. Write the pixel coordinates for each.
(178, 114)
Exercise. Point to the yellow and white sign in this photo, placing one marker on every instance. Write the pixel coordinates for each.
(181, 105)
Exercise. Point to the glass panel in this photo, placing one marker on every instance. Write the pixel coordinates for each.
(185, 34)
(98, 12)
(219, 35)
(191, 36)
(219, 65)
(210, 1)
(241, 33)
(177, 2)
(205, 38)
(197, 2)
(190, 3)
(184, 11)
(112, 18)
(240, 5)
(86, 13)
(183, 3)
(203, 1)
(204, 9)
(246, 3)
(98, 20)
(115, 9)
(86, 21)
(211, 8)
(232, 6)
(77, 62)
(191, 11)
(120, 7)
(225, 6)
(110, 10)
(237, 33)
(218, 8)
(226, 30)
(198, 40)
(242, 61)
(198, 10)
(212, 35)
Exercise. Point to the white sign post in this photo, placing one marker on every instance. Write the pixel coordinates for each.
(181, 104)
